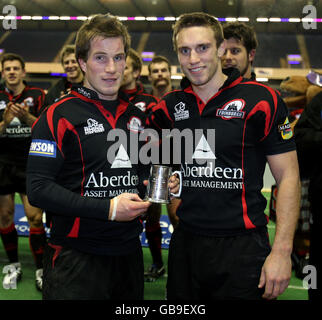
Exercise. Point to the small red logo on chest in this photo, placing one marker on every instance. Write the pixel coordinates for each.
(232, 110)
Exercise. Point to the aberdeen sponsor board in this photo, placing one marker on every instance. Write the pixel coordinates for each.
(167, 230)
(21, 222)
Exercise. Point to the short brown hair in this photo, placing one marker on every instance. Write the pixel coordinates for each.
(242, 32)
(159, 59)
(66, 51)
(11, 57)
(197, 19)
(105, 26)
(136, 60)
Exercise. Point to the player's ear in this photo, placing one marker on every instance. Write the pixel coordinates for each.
(23, 73)
(82, 64)
(251, 55)
(221, 49)
(136, 74)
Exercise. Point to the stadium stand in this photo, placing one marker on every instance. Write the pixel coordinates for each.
(43, 46)
(272, 47)
(314, 48)
(161, 44)
(40, 46)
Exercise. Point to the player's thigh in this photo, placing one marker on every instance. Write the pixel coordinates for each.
(179, 282)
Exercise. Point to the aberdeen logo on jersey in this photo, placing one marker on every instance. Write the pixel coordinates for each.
(122, 159)
(135, 125)
(43, 148)
(203, 150)
(206, 173)
(232, 109)
(180, 112)
(93, 127)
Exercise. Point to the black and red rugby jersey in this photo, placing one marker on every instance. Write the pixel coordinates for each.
(71, 176)
(15, 140)
(140, 99)
(60, 88)
(248, 121)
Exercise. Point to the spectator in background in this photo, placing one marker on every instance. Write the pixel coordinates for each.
(308, 137)
(160, 76)
(20, 105)
(74, 75)
(241, 44)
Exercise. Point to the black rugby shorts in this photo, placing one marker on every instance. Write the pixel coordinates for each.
(73, 275)
(216, 268)
(12, 179)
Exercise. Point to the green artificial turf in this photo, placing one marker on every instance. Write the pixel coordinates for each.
(26, 289)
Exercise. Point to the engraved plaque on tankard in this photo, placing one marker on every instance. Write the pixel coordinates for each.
(157, 189)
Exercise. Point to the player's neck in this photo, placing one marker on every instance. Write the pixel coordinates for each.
(209, 89)
(130, 86)
(78, 79)
(248, 73)
(16, 89)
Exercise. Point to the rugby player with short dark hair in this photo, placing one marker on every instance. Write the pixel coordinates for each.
(220, 248)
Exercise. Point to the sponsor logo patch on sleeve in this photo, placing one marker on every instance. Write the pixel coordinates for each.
(285, 130)
(43, 148)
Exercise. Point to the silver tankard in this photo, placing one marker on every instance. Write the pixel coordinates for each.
(157, 190)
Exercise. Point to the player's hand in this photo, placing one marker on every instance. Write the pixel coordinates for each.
(20, 111)
(275, 275)
(174, 184)
(8, 114)
(65, 93)
(127, 207)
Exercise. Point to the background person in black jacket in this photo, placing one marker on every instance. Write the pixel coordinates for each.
(73, 72)
(308, 137)
(241, 44)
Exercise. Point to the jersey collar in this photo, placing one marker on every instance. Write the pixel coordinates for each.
(10, 93)
(92, 95)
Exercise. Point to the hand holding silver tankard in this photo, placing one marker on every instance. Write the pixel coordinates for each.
(157, 189)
